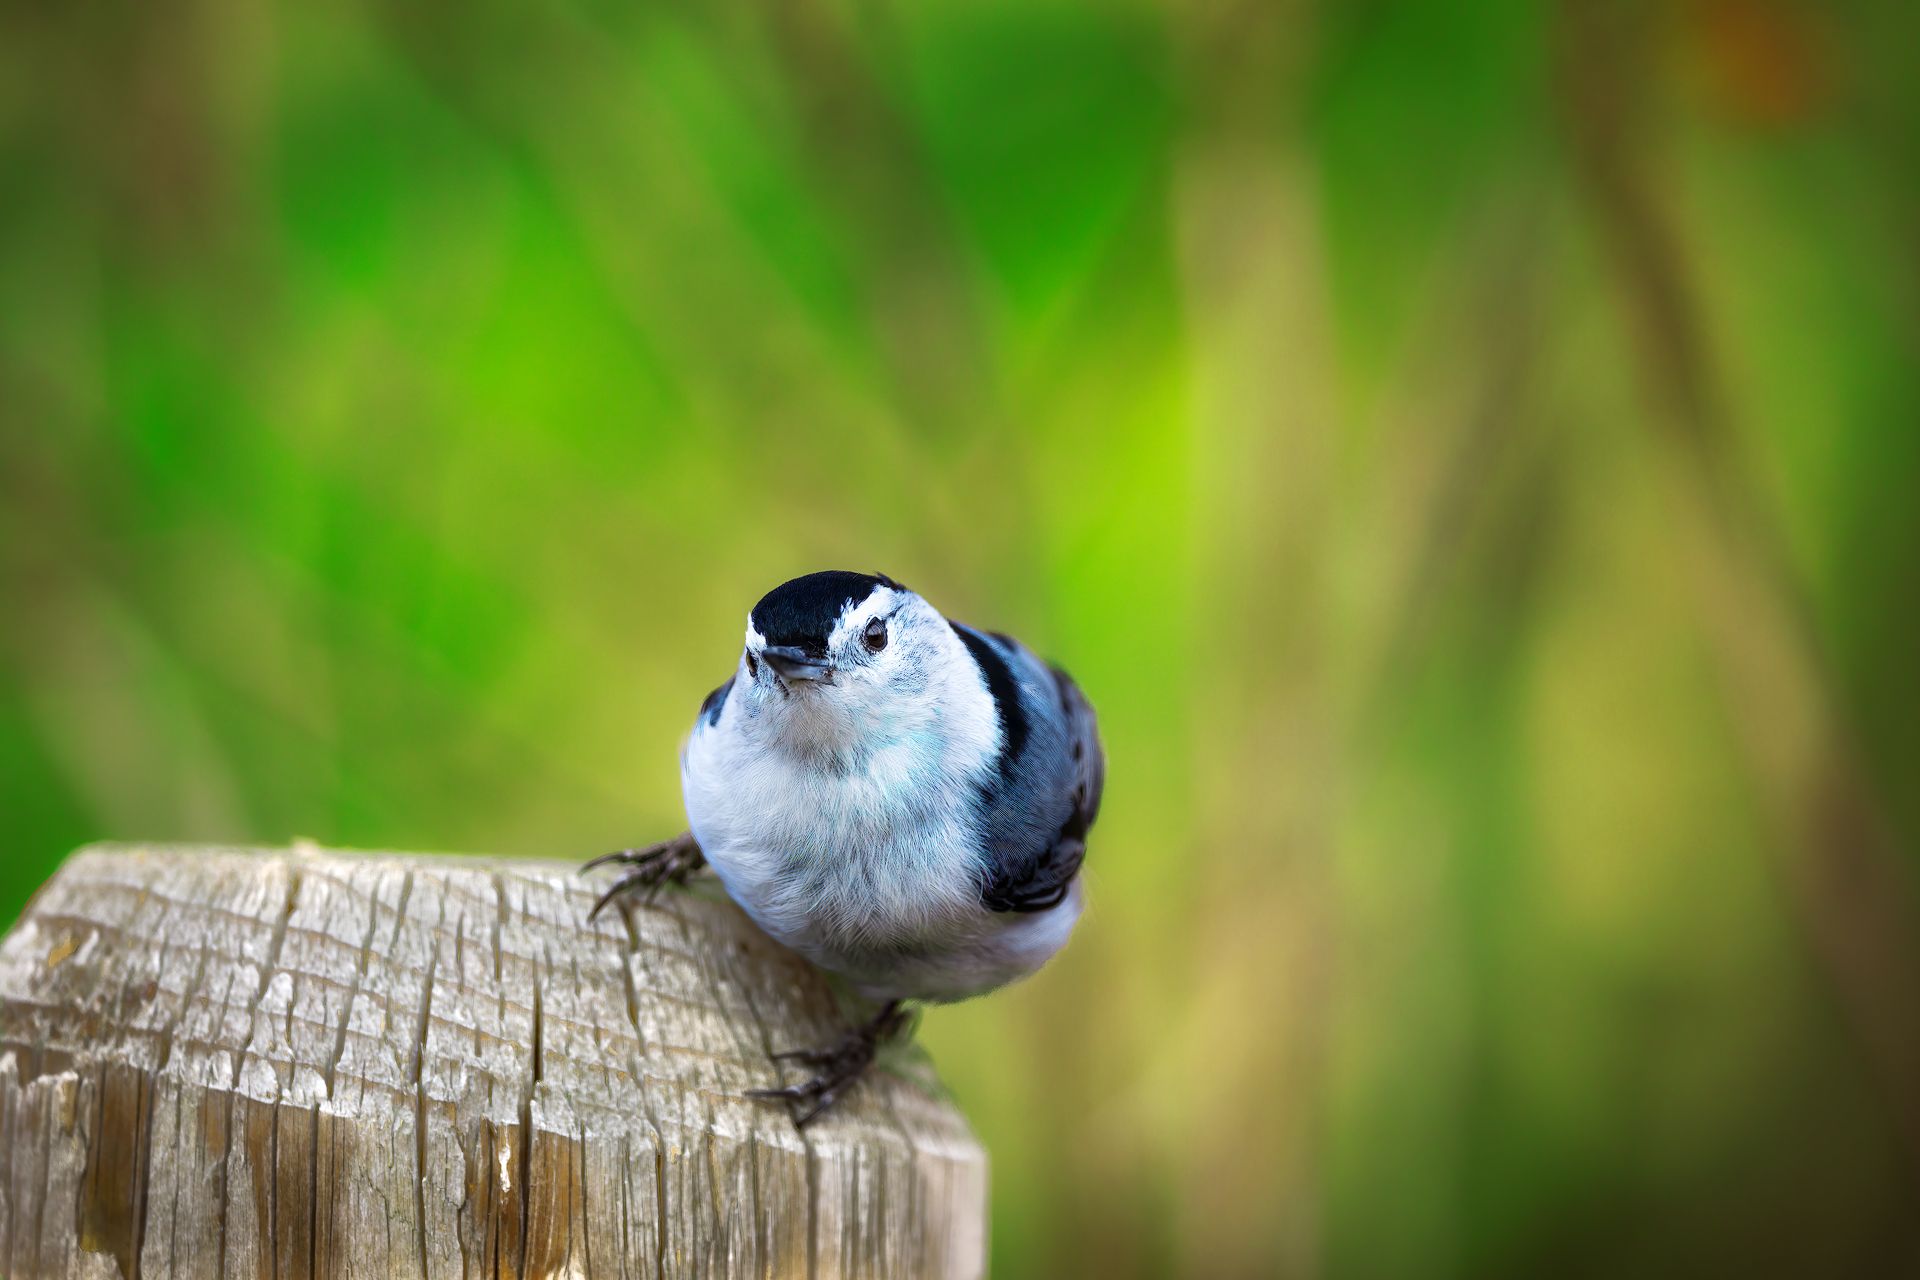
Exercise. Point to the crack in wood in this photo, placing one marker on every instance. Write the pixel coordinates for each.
(420, 1115)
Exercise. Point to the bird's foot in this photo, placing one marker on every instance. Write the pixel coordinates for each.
(669, 862)
(838, 1066)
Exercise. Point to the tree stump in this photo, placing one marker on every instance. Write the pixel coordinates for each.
(256, 1063)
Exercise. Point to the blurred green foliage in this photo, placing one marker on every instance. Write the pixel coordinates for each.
(1468, 453)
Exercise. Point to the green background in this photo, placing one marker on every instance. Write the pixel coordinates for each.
(1467, 453)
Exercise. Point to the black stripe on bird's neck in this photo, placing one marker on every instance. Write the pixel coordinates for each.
(1005, 691)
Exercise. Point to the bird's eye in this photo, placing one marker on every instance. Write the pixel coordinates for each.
(753, 668)
(875, 636)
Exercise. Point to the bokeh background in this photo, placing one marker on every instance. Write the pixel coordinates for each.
(1467, 452)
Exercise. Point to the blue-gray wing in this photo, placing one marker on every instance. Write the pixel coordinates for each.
(1046, 793)
(715, 703)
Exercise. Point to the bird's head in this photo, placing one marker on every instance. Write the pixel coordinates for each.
(834, 660)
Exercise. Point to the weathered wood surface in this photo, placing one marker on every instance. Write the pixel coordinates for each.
(249, 1063)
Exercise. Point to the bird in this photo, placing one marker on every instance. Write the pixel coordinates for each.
(901, 799)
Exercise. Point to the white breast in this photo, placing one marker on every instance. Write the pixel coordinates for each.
(882, 855)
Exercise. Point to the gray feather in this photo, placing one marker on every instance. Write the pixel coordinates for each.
(1034, 816)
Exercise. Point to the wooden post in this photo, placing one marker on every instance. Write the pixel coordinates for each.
(253, 1063)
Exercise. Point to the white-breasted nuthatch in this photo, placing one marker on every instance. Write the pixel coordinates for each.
(901, 799)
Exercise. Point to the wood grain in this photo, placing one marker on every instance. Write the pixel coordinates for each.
(282, 1064)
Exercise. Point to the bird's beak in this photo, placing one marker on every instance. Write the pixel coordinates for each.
(795, 663)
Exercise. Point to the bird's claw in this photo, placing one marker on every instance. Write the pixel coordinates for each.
(807, 1057)
(822, 1091)
(669, 862)
(818, 1091)
(839, 1067)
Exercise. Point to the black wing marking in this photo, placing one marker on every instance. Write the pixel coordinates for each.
(716, 702)
(1047, 881)
(1005, 691)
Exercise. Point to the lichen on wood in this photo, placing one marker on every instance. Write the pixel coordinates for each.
(250, 1063)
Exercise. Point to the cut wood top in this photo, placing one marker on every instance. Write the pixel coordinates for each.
(234, 1062)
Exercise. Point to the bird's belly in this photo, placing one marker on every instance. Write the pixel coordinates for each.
(996, 949)
(872, 876)
(826, 866)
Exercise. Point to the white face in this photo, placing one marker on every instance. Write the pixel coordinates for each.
(875, 681)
